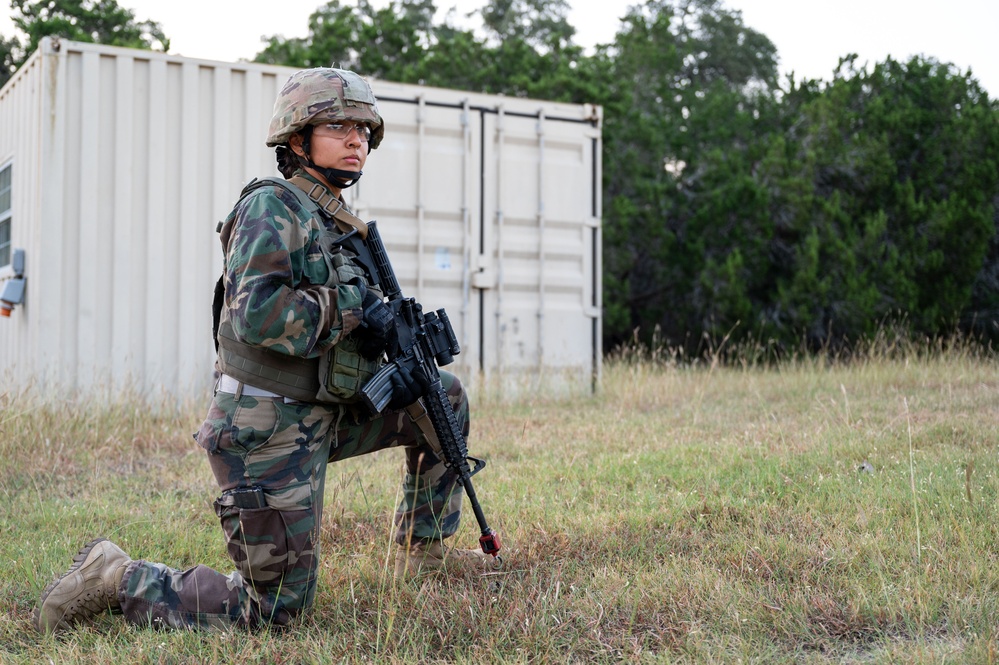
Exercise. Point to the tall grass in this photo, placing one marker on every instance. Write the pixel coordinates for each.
(805, 510)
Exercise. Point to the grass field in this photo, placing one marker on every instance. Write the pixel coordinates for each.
(802, 513)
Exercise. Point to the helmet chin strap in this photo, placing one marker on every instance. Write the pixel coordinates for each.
(338, 177)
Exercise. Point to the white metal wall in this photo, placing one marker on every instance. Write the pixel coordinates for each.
(540, 217)
(141, 154)
(20, 131)
(500, 198)
(125, 160)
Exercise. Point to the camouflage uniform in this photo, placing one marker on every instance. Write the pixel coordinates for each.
(281, 295)
(288, 312)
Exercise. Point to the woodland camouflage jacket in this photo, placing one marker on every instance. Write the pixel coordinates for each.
(281, 293)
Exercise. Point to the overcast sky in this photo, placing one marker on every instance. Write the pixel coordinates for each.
(810, 35)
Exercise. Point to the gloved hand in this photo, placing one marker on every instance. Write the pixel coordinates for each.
(377, 330)
(407, 387)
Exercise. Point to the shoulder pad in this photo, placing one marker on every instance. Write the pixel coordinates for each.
(303, 199)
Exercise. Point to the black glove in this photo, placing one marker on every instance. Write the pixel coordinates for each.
(377, 331)
(407, 387)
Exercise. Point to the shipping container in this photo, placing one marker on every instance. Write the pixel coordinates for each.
(119, 163)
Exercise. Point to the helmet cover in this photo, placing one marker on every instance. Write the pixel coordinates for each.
(324, 94)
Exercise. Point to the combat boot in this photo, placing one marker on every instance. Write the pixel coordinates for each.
(425, 556)
(88, 588)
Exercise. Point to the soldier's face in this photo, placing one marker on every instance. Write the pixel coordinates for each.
(332, 149)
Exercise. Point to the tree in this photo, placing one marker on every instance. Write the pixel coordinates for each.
(529, 52)
(10, 57)
(526, 50)
(384, 43)
(691, 95)
(816, 213)
(387, 43)
(733, 206)
(543, 24)
(886, 185)
(981, 317)
(97, 21)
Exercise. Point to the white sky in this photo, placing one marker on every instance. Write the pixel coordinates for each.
(810, 35)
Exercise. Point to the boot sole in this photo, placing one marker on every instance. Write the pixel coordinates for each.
(78, 560)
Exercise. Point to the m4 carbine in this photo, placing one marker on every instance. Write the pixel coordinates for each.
(426, 341)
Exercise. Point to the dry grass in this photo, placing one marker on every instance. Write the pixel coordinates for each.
(805, 511)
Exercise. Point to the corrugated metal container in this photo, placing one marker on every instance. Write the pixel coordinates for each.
(123, 161)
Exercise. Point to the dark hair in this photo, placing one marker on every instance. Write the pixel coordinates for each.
(287, 160)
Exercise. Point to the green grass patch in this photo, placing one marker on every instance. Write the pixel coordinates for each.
(801, 512)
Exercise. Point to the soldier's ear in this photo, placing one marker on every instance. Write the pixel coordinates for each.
(296, 142)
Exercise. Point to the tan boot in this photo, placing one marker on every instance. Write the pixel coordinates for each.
(88, 588)
(425, 556)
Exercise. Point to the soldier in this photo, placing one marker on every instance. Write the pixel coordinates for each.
(299, 330)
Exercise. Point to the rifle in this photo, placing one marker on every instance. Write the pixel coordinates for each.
(426, 341)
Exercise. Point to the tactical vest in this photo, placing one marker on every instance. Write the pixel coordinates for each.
(336, 376)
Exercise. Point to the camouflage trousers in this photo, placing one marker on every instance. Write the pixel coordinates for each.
(269, 458)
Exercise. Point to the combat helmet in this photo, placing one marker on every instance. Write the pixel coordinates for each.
(324, 94)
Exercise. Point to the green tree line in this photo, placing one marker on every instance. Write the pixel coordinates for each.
(736, 205)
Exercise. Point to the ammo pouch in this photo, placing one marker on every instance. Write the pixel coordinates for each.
(343, 371)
